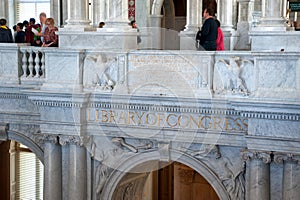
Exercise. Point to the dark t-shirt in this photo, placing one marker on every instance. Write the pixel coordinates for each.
(5, 35)
(20, 37)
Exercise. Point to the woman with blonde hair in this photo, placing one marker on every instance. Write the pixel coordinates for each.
(50, 38)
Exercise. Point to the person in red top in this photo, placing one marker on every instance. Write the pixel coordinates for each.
(220, 37)
(50, 38)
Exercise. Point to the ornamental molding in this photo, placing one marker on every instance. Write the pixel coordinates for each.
(259, 155)
(72, 140)
(163, 108)
(67, 104)
(13, 96)
(44, 138)
(288, 157)
(272, 116)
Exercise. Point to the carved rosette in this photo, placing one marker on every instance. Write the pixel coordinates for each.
(75, 140)
(288, 157)
(44, 138)
(252, 154)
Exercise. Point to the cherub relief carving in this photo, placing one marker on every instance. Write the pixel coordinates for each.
(235, 77)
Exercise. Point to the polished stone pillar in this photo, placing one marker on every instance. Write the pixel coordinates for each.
(259, 183)
(77, 170)
(225, 10)
(52, 168)
(243, 25)
(291, 175)
(272, 19)
(99, 11)
(193, 15)
(117, 14)
(193, 24)
(78, 15)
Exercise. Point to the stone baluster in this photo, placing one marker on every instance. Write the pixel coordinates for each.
(52, 166)
(43, 65)
(24, 63)
(30, 65)
(77, 183)
(259, 163)
(78, 15)
(291, 175)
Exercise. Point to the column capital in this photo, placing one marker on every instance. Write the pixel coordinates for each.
(43, 138)
(247, 154)
(286, 157)
(72, 139)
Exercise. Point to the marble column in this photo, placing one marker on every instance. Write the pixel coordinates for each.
(78, 15)
(291, 175)
(225, 10)
(193, 15)
(77, 170)
(272, 19)
(4, 9)
(52, 168)
(99, 12)
(243, 25)
(193, 24)
(225, 16)
(259, 183)
(117, 14)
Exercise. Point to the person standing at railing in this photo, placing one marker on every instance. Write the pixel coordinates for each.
(50, 38)
(5, 32)
(20, 36)
(220, 38)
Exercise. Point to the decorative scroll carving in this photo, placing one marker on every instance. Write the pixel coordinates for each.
(72, 139)
(97, 72)
(250, 154)
(128, 192)
(235, 76)
(288, 157)
(43, 138)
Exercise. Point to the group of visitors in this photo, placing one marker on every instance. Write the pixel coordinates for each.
(210, 37)
(42, 34)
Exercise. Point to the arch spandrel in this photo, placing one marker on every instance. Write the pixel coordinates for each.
(203, 167)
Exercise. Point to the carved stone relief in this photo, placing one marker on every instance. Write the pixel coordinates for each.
(230, 169)
(99, 72)
(233, 77)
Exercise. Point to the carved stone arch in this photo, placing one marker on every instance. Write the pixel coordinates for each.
(23, 139)
(197, 165)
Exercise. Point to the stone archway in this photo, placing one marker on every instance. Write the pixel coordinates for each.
(23, 139)
(138, 160)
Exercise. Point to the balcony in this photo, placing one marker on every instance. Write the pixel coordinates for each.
(258, 88)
